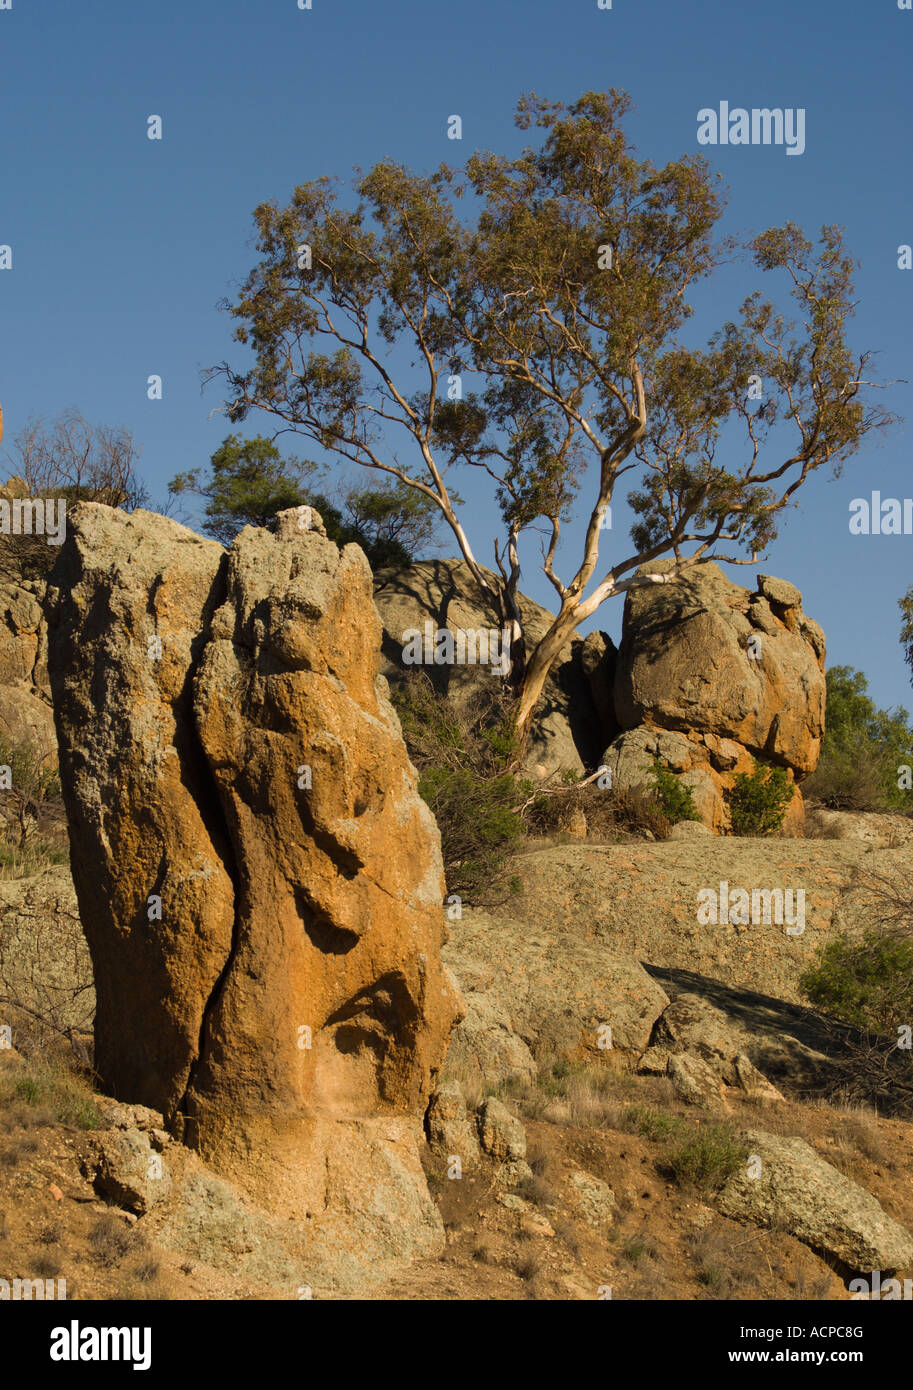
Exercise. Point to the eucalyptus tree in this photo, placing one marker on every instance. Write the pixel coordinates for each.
(561, 281)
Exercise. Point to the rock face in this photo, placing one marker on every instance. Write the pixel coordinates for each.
(815, 1202)
(711, 676)
(640, 901)
(25, 694)
(259, 882)
(870, 828)
(573, 721)
(501, 1134)
(539, 991)
(451, 1133)
(699, 1049)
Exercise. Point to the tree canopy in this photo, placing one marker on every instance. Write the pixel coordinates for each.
(864, 751)
(558, 282)
(249, 481)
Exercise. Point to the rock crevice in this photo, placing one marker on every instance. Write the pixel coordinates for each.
(259, 882)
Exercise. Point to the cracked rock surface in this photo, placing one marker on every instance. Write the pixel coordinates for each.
(259, 882)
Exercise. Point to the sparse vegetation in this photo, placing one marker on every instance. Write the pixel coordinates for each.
(47, 1264)
(32, 825)
(55, 1089)
(74, 461)
(676, 800)
(529, 1262)
(759, 800)
(655, 1125)
(863, 751)
(706, 1157)
(109, 1238)
(464, 754)
(608, 815)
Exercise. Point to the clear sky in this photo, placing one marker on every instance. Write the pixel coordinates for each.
(122, 246)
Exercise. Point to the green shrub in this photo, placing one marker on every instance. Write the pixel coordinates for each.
(652, 1124)
(759, 800)
(864, 748)
(464, 753)
(867, 983)
(707, 1158)
(674, 797)
(479, 825)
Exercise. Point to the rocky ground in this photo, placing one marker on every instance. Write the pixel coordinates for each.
(582, 1168)
(603, 1206)
(635, 1102)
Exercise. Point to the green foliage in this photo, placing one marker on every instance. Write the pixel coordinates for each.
(393, 524)
(759, 800)
(585, 366)
(651, 1124)
(867, 983)
(676, 799)
(864, 748)
(249, 482)
(707, 1158)
(906, 631)
(464, 755)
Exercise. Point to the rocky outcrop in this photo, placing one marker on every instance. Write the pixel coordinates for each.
(867, 827)
(258, 880)
(711, 676)
(569, 731)
(501, 1134)
(451, 1133)
(640, 901)
(25, 695)
(697, 1046)
(786, 1185)
(535, 991)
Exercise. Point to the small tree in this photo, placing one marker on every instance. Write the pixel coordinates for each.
(75, 461)
(93, 463)
(249, 482)
(566, 297)
(864, 749)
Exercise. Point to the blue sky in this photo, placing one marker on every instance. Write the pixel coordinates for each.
(122, 247)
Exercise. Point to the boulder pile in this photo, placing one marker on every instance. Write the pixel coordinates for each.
(711, 676)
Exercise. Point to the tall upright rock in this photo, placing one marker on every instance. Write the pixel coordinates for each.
(129, 605)
(259, 881)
